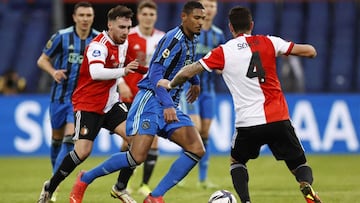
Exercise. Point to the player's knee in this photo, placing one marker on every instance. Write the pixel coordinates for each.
(199, 151)
(133, 162)
(193, 156)
(82, 153)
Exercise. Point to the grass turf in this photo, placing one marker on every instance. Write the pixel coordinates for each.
(336, 180)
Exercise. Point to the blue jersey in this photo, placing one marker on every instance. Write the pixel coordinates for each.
(173, 52)
(208, 40)
(67, 49)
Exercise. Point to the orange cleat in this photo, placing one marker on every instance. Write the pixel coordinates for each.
(151, 199)
(309, 194)
(78, 190)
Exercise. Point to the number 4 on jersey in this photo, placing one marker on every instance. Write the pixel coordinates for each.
(255, 68)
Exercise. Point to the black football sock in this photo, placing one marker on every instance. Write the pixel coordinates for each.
(124, 177)
(71, 160)
(240, 179)
(304, 174)
(149, 165)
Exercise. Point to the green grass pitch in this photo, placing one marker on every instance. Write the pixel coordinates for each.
(337, 180)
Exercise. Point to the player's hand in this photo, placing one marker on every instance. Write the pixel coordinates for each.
(133, 65)
(193, 93)
(59, 75)
(142, 69)
(170, 115)
(163, 83)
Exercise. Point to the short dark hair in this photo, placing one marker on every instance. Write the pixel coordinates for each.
(82, 4)
(191, 5)
(240, 18)
(146, 4)
(119, 11)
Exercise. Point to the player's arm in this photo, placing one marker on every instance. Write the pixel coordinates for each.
(156, 73)
(194, 89)
(304, 50)
(186, 73)
(44, 63)
(99, 72)
(124, 89)
(97, 54)
(182, 76)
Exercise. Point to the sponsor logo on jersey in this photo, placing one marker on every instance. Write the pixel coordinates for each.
(71, 47)
(96, 53)
(136, 47)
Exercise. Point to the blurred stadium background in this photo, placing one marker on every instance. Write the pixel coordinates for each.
(322, 92)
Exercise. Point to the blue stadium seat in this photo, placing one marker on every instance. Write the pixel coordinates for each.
(265, 18)
(342, 57)
(18, 4)
(35, 35)
(167, 16)
(317, 34)
(10, 31)
(357, 85)
(43, 4)
(291, 25)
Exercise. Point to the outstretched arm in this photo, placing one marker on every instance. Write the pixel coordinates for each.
(182, 76)
(304, 50)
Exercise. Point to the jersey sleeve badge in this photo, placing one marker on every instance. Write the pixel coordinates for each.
(166, 53)
(96, 53)
(49, 44)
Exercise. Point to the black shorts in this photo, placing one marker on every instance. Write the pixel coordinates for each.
(88, 124)
(279, 136)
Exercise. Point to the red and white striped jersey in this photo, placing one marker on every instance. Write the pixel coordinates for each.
(248, 65)
(141, 47)
(99, 95)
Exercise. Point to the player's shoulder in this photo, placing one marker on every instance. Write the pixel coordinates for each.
(158, 32)
(217, 29)
(133, 31)
(68, 30)
(175, 33)
(95, 31)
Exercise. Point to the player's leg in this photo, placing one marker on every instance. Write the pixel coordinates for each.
(246, 145)
(240, 179)
(55, 146)
(87, 126)
(140, 145)
(115, 121)
(67, 142)
(149, 166)
(204, 162)
(69, 131)
(286, 146)
(58, 121)
(124, 174)
(207, 112)
(186, 136)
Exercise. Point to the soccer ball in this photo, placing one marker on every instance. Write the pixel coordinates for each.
(222, 196)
